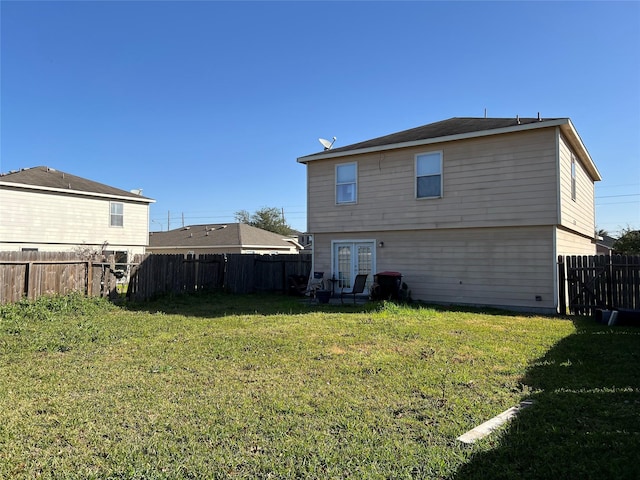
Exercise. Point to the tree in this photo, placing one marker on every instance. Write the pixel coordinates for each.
(267, 218)
(628, 243)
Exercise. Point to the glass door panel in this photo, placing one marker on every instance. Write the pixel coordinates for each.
(351, 259)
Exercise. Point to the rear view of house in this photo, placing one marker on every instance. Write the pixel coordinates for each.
(469, 210)
(48, 210)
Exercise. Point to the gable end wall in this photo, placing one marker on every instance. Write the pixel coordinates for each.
(578, 215)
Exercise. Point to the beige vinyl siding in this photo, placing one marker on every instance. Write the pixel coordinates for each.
(56, 222)
(570, 243)
(505, 267)
(578, 215)
(497, 180)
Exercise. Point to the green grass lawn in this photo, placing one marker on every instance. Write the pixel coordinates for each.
(252, 386)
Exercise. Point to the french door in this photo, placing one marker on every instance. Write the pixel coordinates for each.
(350, 258)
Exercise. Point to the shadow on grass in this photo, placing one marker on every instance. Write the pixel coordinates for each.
(212, 305)
(219, 304)
(585, 422)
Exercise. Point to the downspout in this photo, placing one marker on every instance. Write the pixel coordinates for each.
(313, 253)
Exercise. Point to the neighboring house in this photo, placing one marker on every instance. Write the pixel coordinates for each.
(48, 210)
(225, 238)
(604, 244)
(469, 210)
(305, 240)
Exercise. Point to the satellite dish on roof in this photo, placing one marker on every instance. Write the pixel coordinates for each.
(326, 143)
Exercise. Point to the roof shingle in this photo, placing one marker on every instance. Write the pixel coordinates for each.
(443, 128)
(50, 178)
(206, 236)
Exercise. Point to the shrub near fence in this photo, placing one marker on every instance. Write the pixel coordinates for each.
(158, 274)
(34, 274)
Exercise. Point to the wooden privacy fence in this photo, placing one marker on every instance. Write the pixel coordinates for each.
(158, 274)
(33, 274)
(588, 283)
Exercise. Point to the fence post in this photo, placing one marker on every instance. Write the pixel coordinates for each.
(562, 292)
(89, 279)
(27, 278)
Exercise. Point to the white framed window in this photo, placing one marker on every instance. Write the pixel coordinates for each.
(346, 183)
(573, 177)
(429, 175)
(116, 214)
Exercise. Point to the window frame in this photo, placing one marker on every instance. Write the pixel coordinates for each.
(113, 215)
(355, 265)
(416, 176)
(354, 183)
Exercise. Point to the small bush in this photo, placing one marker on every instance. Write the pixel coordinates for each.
(49, 307)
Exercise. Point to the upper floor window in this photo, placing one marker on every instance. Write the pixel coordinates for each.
(346, 184)
(116, 217)
(429, 175)
(573, 177)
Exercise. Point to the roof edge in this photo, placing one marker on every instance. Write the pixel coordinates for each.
(570, 130)
(428, 141)
(25, 186)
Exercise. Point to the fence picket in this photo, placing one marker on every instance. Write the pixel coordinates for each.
(595, 282)
(33, 274)
(235, 273)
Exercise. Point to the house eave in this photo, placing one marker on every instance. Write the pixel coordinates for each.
(576, 142)
(24, 186)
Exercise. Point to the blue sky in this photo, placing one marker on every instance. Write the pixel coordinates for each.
(207, 105)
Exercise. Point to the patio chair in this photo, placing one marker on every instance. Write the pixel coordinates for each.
(315, 283)
(358, 287)
(297, 284)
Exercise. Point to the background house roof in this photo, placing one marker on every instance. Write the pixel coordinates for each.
(49, 178)
(218, 235)
(606, 241)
